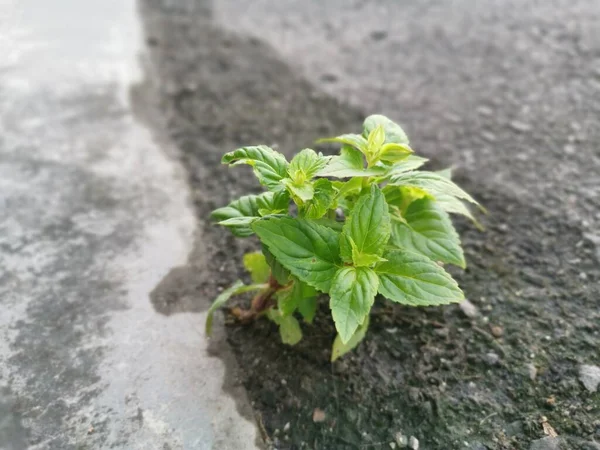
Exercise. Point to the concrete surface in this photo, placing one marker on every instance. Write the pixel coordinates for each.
(93, 214)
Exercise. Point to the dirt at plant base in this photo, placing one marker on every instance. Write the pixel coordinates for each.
(503, 379)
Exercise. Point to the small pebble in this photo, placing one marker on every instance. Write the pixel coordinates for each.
(590, 377)
(531, 371)
(318, 415)
(485, 111)
(286, 427)
(491, 358)
(468, 309)
(547, 443)
(520, 126)
(413, 443)
(401, 440)
(392, 445)
(497, 331)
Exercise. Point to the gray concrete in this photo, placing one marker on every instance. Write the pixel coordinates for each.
(93, 214)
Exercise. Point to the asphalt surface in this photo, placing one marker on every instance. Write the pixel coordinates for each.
(94, 212)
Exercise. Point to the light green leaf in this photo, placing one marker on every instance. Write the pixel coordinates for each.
(363, 259)
(393, 132)
(394, 152)
(354, 140)
(368, 225)
(339, 348)
(411, 162)
(349, 163)
(374, 142)
(235, 222)
(308, 308)
(322, 201)
(351, 187)
(428, 230)
(237, 288)
(352, 294)
(305, 165)
(329, 223)
(433, 183)
(289, 328)
(256, 264)
(280, 273)
(250, 206)
(446, 173)
(269, 166)
(309, 251)
(300, 192)
(413, 279)
(453, 205)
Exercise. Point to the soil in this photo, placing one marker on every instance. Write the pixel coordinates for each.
(433, 373)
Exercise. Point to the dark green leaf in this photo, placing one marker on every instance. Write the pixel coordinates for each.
(309, 251)
(280, 273)
(428, 230)
(323, 200)
(413, 279)
(352, 294)
(270, 167)
(349, 163)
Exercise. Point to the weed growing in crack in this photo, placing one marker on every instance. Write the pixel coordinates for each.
(366, 221)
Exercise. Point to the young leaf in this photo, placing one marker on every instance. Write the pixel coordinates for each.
(305, 165)
(256, 264)
(237, 288)
(411, 162)
(433, 183)
(413, 279)
(368, 225)
(250, 206)
(300, 192)
(309, 251)
(352, 294)
(308, 308)
(349, 163)
(393, 152)
(322, 200)
(353, 140)
(363, 259)
(428, 230)
(339, 348)
(289, 328)
(280, 273)
(374, 142)
(269, 166)
(393, 132)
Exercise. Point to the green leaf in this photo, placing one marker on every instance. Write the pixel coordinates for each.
(368, 225)
(269, 166)
(351, 187)
(352, 294)
(308, 308)
(354, 140)
(280, 273)
(374, 142)
(411, 162)
(363, 259)
(393, 132)
(349, 163)
(428, 230)
(300, 192)
(339, 348)
(289, 328)
(237, 288)
(309, 251)
(250, 206)
(322, 201)
(256, 264)
(433, 183)
(329, 223)
(413, 279)
(394, 152)
(453, 205)
(305, 165)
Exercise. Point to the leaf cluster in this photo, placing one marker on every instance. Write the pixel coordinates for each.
(367, 221)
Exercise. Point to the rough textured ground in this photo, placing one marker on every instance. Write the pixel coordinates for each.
(509, 94)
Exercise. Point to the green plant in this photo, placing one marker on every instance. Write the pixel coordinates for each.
(366, 221)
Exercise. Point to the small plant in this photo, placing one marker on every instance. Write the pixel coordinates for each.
(364, 222)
